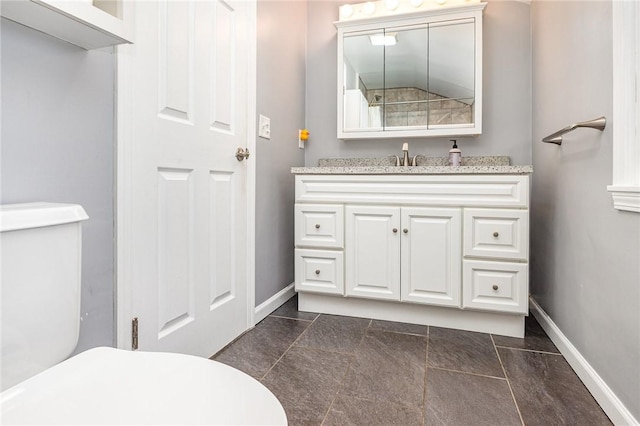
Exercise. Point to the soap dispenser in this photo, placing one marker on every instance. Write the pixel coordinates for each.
(454, 154)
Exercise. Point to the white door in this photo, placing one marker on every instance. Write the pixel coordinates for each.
(372, 252)
(187, 254)
(431, 256)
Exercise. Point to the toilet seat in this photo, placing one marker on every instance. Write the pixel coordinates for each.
(114, 386)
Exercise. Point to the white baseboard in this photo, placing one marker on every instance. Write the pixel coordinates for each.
(274, 302)
(413, 313)
(612, 406)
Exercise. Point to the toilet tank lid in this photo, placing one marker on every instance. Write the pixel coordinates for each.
(14, 217)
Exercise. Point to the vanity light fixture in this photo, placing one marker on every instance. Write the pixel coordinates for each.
(346, 10)
(369, 8)
(382, 39)
(392, 4)
(382, 8)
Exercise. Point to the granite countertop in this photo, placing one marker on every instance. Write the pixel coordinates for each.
(425, 165)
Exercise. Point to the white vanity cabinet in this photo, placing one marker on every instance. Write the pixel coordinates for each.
(445, 249)
(404, 254)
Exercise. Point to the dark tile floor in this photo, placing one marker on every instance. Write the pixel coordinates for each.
(332, 370)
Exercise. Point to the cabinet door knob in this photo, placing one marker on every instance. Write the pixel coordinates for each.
(318, 227)
(395, 230)
(495, 287)
(405, 230)
(495, 234)
(318, 273)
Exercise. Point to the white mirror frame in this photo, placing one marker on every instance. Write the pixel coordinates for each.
(415, 18)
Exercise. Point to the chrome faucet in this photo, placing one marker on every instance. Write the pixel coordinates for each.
(406, 160)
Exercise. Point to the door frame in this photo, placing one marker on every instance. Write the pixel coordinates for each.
(123, 299)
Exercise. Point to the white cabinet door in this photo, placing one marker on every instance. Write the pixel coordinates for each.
(372, 257)
(431, 256)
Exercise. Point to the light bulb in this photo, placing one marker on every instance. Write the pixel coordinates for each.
(369, 8)
(346, 10)
(417, 3)
(391, 4)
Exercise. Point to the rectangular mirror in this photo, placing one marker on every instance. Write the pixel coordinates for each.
(363, 70)
(418, 75)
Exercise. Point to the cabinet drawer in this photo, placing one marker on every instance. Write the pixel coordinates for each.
(496, 233)
(319, 271)
(495, 286)
(319, 225)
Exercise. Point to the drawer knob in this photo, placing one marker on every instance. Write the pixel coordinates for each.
(405, 230)
(318, 227)
(495, 287)
(318, 273)
(495, 234)
(395, 230)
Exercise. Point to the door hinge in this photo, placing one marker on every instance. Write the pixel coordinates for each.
(134, 333)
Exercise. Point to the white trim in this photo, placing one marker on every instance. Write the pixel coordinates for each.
(251, 164)
(414, 313)
(612, 406)
(625, 189)
(274, 302)
(124, 166)
(625, 197)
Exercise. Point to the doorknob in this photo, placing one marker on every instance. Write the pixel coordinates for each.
(241, 154)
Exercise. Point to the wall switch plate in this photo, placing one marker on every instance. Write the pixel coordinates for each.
(264, 127)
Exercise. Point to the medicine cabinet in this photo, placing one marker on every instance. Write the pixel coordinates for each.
(412, 74)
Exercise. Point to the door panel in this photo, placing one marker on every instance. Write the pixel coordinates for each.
(221, 259)
(223, 77)
(431, 256)
(176, 50)
(175, 249)
(372, 263)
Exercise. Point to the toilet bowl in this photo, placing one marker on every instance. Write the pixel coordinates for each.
(117, 387)
(40, 259)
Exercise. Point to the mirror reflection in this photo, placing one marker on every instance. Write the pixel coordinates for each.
(410, 77)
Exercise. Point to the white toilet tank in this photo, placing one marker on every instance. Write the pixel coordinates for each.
(40, 259)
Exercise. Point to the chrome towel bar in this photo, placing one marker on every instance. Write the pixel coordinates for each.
(597, 123)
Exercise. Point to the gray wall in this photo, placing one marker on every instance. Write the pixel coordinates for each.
(280, 96)
(506, 90)
(58, 145)
(585, 271)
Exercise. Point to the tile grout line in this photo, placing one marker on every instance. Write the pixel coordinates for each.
(346, 373)
(507, 379)
(400, 332)
(289, 348)
(423, 414)
(528, 350)
(295, 319)
(469, 373)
